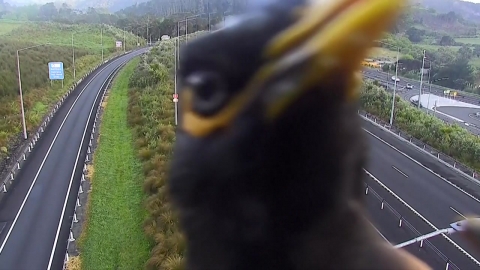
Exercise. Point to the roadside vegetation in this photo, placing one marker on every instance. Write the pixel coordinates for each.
(452, 45)
(450, 139)
(112, 236)
(39, 94)
(151, 116)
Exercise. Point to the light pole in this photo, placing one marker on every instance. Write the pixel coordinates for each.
(394, 88)
(175, 90)
(186, 25)
(421, 80)
(124, 45)
(20, 86)
(101, 40)
(460, 226)
(73, 58)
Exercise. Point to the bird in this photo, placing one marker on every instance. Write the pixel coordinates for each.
(267, 165)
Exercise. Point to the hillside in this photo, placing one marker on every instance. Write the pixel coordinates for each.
(39, 93)
(468, 10)
(108, 5)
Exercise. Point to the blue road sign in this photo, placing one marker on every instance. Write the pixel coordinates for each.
(55, 71)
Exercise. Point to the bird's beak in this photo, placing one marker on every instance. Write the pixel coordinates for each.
(329, 41)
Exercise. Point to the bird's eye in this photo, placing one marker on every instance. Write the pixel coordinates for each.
(209, 92)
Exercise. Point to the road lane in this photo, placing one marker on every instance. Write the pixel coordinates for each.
(427, 193)
(46, 178)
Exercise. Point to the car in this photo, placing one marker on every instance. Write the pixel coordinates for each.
(409, 86)
(395, 79)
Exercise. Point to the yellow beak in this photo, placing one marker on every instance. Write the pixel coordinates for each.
(327, 38)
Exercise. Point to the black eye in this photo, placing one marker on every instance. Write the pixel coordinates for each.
(209, 90)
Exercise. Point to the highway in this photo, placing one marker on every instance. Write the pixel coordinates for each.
(406, 172)
(36, 214)
(460, 113)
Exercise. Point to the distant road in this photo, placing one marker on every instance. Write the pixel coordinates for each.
(457, 112)
(36, 214)
(432, 196)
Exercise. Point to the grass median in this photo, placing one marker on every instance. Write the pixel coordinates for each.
(113, 236)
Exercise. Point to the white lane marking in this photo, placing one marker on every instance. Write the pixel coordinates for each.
(378, 231)
(45, 158)
(422, 217)
(458, 212)
(423, 166)
(398, 170)
(73, 171)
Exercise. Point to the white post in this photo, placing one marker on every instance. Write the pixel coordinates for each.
(21, 97)
(394, 89)
(421, 79)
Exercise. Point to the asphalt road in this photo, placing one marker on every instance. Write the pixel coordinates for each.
(473, 125)
(36, 214)
(431, 196)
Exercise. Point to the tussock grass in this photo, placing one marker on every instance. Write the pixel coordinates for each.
(113, 237)
(151, 114)
(39, 94)
(74, 263)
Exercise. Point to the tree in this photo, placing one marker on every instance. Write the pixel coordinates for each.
(446, 41)
(415, 35)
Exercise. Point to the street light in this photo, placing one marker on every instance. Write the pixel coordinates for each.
(394, 88)
(186, 25)
(20, 86)
(421, 79)
(73, 58)
(460, 226)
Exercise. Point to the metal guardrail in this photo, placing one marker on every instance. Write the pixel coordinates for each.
(403, 224)
(25, 152)
(88, 158)
(450, 162)
(466, 96)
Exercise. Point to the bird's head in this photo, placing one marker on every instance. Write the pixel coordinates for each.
(269, 139)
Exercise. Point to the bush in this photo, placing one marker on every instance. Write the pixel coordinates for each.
(151, 115)
(450, 139)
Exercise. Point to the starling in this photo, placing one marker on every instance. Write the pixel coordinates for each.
(267, 164)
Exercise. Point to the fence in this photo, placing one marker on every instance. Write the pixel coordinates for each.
(454, 164)
(402, 222)
(88, 158)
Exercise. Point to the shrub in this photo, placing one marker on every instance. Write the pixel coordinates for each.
(451, 139)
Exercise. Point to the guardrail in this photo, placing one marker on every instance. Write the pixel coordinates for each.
(450, 162)
(403, 224)
(88, 158)
(27, 149)
(469, 97)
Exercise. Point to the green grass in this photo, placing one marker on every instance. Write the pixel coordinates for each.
(7, 26)
(39, 95)
(383, 53)
(114, 236)
(473, 41)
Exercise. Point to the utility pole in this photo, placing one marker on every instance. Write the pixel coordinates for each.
(21, 98)
(208, 10)
(394, 89)
(429, 88)
(421, 80)
(73, 58)
(124, 45)
(148, 19)
(176, 103)
(101, 40)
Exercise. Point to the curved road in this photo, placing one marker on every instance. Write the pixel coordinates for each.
(473, 125)
(428, 187)
(36, 214)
